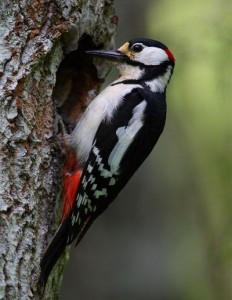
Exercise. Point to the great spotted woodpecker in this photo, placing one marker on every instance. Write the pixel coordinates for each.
(113, 137)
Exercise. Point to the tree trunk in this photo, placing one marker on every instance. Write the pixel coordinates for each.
(42, 67)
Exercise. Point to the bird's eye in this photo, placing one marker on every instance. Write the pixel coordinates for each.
(137, 48)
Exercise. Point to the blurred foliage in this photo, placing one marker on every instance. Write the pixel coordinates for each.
(199, 34)
(169, 235)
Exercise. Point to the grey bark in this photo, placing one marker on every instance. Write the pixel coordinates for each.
(35, 36)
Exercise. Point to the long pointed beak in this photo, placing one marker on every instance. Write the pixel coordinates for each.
(108, 54)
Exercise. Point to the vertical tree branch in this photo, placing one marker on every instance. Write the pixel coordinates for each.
(36, 36)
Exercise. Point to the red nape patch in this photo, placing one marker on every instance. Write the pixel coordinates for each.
(170, 55)
(71, 180)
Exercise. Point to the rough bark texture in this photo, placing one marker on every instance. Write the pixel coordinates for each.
(42, 66)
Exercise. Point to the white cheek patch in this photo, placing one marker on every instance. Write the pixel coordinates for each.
(152, 56)
(126, 136)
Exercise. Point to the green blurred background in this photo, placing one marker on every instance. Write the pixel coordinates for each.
(169, 234)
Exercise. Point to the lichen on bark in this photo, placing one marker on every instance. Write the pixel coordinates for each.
(36, 36)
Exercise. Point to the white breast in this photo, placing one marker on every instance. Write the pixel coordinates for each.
(101, 108)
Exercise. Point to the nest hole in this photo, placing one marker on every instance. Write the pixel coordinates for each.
(76, 81)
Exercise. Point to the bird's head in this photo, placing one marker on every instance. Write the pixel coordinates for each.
(140, 59)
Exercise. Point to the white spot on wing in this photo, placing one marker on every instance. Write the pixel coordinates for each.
(98, 193)
(126, 136)
(91, 179)
(105, 173)
(89, 168)
(94, 186)
(112, 181)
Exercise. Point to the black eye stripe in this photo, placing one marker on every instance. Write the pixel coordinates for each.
(137, 48)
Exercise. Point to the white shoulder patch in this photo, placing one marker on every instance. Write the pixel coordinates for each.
(101, 108)
(126, 136)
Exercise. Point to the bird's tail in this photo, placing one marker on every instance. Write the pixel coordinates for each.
(71, 176)
(54, 251)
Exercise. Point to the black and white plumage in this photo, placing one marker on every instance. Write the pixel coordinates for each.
(115, 135)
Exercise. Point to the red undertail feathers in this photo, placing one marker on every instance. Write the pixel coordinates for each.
(71, 175)
(71, 180)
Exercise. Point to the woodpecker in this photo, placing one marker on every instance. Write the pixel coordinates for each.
(112, 138)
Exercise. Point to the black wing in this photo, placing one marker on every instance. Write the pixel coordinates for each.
(141, 114)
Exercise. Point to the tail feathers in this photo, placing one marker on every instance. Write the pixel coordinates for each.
(54, 251)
